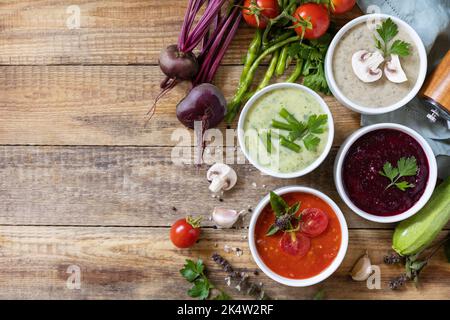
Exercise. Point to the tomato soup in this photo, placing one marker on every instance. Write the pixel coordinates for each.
(323, 249)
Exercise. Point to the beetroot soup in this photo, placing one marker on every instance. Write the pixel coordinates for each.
(364, 168)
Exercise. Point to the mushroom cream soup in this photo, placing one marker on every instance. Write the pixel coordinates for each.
(258, 122)
(381, 93)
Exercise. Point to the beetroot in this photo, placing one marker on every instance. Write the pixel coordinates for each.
(204, 103)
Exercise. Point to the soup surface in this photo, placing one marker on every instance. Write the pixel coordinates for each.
(363, 163)
(324, 248)
(259, 118)
(382, 92)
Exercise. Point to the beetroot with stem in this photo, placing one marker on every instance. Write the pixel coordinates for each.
(178, 62)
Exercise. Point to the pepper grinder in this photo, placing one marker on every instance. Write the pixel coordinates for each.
(436, 92)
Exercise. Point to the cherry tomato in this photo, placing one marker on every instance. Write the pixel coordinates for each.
(184, 233)
(295, 243)
(314, 222)
(342, 6)
(257, 12)
(314, 14)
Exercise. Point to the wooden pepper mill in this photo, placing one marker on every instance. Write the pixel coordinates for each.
(436, 91)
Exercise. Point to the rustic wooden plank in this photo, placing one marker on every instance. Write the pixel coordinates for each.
(111, 32)
(129, 186)
(105, 105)
(141, 263)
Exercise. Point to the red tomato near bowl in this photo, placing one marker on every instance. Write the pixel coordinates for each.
(342, 6)
(184, 233)
(258, 12)
(315, 14)
(314, 222)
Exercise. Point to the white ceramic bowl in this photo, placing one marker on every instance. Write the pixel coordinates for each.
(314, 164)
(367, 110)
(432, 176)
(325, 273)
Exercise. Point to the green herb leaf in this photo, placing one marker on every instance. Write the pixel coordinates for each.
(388, 30)
(200, 289)
(400, 48)
(389, 171)
(272, 230)
(194, 273)
(311, 142)
(316, 123)
(316, 80)
(294, 209)
(406, 167)
(403, 185)
(222, 296)
(279, 206)
(192, 270)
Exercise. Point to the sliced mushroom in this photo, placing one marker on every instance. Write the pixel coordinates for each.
(365, 65)
(393, 70)
(222, 177)
(225, 218)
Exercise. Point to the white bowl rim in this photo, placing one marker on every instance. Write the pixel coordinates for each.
(432, 174)
(326, 272)
(371, 110)
(313, 165)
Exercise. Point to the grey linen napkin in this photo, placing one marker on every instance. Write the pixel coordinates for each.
(431, 21)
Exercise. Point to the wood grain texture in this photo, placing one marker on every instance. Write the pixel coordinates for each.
(130, 186)
(140, 263)
(111, 32)
(105, 105)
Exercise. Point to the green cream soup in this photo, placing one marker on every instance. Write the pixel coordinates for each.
(258, 122)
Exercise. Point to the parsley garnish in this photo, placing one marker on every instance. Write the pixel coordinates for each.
(194, 273)
(387, 31)
(298, 130)
(406, 167)
(285, 215)
(313, 57)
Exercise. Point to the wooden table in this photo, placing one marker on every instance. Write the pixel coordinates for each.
(84, 183)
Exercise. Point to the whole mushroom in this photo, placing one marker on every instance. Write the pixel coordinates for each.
(222, 177)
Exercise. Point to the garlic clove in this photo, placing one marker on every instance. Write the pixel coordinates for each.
(365, 65)
(362, 268)
(225, 218)
(393, 70)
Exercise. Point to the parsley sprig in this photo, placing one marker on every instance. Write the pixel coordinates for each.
(285, 215)
(406, 167)
(305, 131)
(194, 273)
(387, 32)
(312, 55)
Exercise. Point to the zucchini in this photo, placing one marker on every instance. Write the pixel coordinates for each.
(417, 232)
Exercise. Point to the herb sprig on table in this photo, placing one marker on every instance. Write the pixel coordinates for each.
(306, 131)
(194, 272)
(406, 167)
(387, 31)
